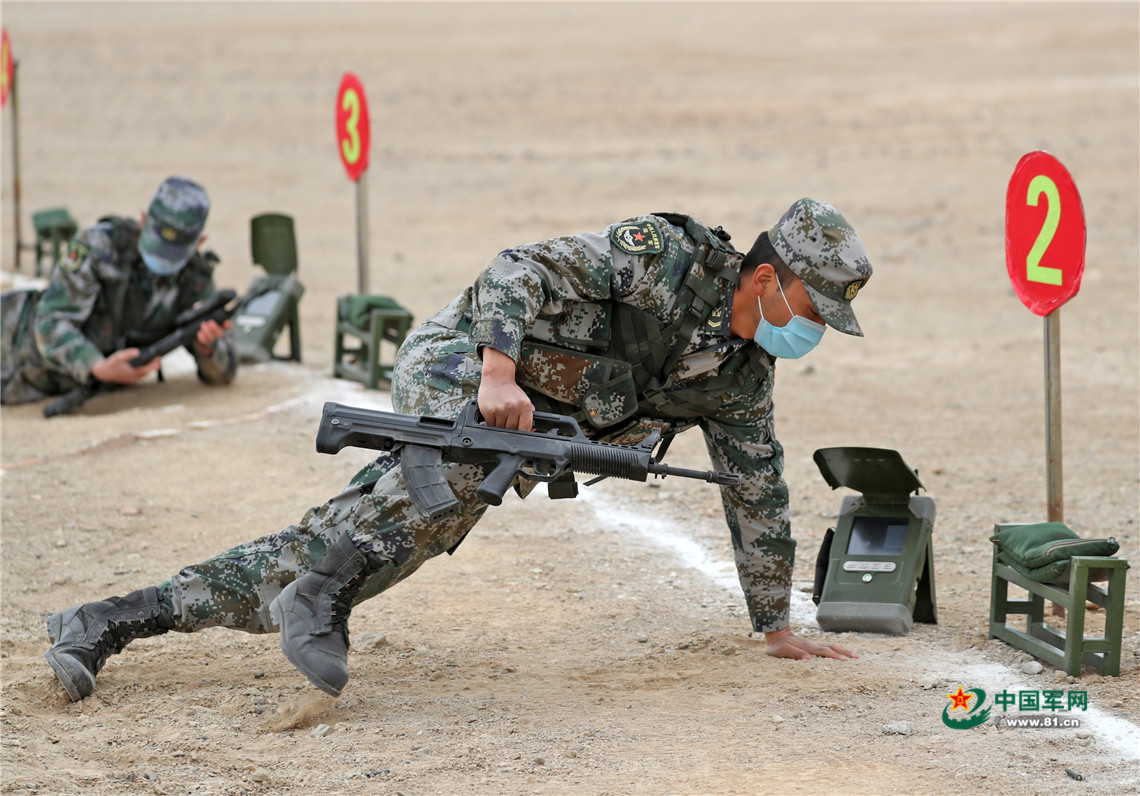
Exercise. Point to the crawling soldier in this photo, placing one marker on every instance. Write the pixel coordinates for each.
(119, 283)
(654, 323)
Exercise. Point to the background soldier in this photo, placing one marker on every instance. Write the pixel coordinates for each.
(654, 323)
(118, 285)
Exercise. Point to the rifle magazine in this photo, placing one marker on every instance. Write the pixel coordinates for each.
(428, 489)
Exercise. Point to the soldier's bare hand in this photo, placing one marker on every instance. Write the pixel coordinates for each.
(786, 644)
(210, 332)
(116, 368)
(501, 400)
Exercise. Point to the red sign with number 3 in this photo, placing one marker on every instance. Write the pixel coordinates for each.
(353, 134)
(1044, 233)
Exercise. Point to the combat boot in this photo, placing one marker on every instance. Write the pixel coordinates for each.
(313, 610)
(85, 636)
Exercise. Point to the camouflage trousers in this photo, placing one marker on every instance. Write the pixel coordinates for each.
(436, 372)
(24, 377)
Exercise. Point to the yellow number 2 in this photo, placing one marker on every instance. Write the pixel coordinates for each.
(350, 147)
(1034, 271)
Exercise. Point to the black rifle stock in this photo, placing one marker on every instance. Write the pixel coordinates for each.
(186, 329)
(552, 452)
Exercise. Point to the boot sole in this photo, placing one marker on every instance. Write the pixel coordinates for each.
(277, 615)
(73, 677)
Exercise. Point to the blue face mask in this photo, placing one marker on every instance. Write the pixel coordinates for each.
(791, 341)
(158, 267)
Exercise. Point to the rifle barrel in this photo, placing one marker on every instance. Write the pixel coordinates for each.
(711, 476)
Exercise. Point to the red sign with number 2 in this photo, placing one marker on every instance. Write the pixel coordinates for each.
(1044, 233)
(352, 130)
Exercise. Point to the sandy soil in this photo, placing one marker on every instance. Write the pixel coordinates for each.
(600, 645)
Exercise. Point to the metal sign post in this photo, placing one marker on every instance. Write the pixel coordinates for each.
(362, 234)
(1054, 490)
(1045, 257)
(16, 168)
(353, 135)
(8, 66)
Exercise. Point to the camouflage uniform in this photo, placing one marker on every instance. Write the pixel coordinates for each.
(628, 330)
(101, 299)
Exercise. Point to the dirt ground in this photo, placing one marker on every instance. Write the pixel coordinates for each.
(596, 646)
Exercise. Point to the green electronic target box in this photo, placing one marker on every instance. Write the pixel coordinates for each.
(875, 570)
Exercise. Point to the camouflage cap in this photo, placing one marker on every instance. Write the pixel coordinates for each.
(822, 249)
(174, 223)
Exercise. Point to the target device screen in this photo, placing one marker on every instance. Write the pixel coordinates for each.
(877, 536)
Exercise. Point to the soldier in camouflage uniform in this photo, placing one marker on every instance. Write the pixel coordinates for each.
(656, 322)
(118, 285)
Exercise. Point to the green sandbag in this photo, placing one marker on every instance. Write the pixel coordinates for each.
(357, 309)
(1041, 551)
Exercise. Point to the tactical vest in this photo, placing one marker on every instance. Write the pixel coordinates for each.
(631, 377)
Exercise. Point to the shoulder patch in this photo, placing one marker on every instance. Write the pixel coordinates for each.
(642, 237)
(76, 253)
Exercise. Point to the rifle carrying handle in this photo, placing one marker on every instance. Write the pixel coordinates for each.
(545, 423)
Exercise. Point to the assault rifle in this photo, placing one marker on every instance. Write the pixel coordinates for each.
(187, 323)
(552, 452)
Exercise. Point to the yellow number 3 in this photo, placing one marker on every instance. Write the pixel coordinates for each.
(350, 147)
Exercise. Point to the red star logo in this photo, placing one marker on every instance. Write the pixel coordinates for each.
(960, 700)
(639, 237)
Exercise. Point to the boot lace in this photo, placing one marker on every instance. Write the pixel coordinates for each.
(121, 632)
(343, 599)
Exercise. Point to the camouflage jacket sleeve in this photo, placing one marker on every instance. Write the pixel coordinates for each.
(68, 302)
(549, 277)
(757, 515)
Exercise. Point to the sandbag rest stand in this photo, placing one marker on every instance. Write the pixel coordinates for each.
(1067, 650)
(386, 321)
(54, 227)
